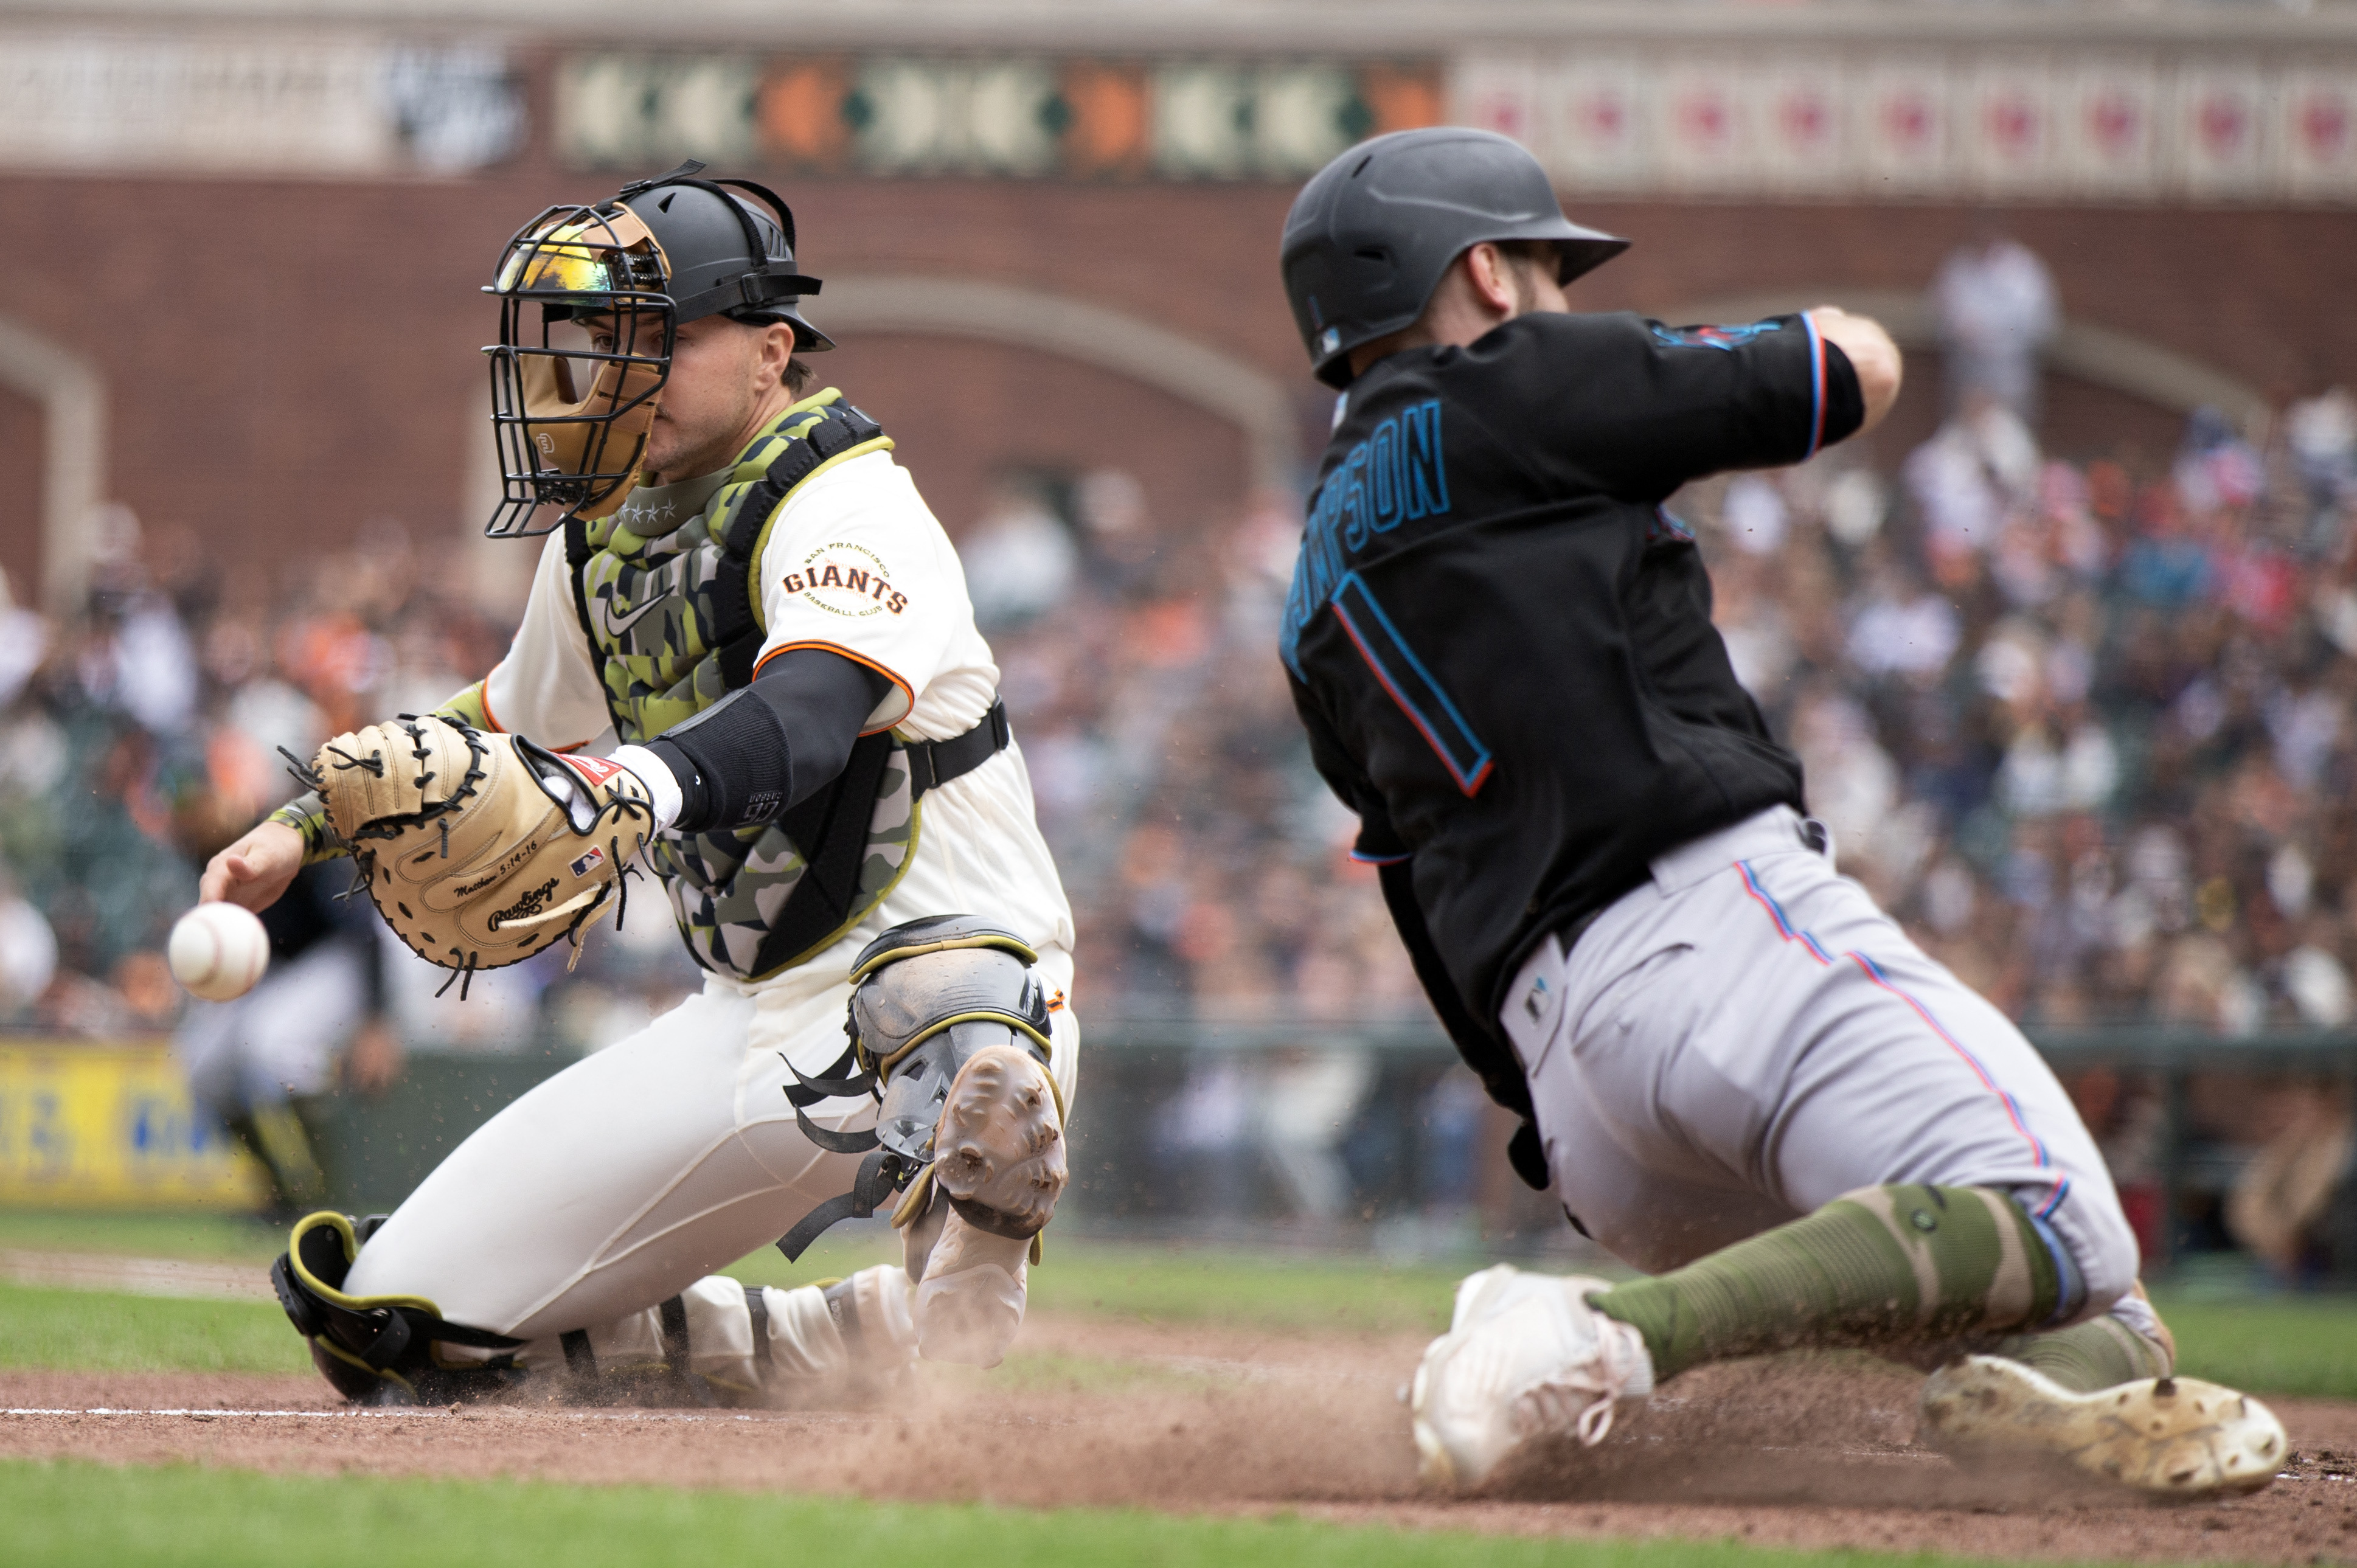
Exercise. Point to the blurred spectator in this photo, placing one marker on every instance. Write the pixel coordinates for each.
(1020, 559)
(2282, 1206)
(259, 1064)
(1996, 305)
(28, 953)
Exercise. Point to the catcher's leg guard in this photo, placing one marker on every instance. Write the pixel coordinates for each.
(950, 1027)
(377, 1349)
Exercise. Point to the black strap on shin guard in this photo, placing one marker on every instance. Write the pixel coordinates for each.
(757, 1308)
(673, 1314)
(881, 1175)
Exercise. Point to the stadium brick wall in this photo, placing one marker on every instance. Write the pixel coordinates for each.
(285, 359)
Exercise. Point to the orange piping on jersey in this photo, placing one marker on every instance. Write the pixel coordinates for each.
(484, 686)
(484, 690)
(856, 659)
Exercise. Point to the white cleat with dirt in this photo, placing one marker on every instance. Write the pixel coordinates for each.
(2173, 1436)
(1525, 1356)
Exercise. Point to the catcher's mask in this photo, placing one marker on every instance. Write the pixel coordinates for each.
(572, 414)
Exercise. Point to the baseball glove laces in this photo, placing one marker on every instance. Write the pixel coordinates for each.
(481, 849)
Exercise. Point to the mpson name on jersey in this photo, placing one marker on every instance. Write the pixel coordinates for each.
(1396, 475)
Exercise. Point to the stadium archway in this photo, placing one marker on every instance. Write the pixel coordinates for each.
(1234, 390)
(72, 397)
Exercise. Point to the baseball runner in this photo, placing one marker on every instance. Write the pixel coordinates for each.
(1736, 1072)
(744, 587)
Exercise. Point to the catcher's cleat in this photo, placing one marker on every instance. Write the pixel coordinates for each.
(999, 1147)
(999, 1170)
(1525, 1356)
(2174, 1436)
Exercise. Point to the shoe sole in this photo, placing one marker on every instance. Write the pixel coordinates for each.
(2173, 1436)
(1000, 1143)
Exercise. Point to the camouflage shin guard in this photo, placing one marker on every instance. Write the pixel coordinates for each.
(1881, 1266)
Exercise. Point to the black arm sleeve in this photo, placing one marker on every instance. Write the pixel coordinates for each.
(734, 762)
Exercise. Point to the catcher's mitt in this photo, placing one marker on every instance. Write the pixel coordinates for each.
(480, 849)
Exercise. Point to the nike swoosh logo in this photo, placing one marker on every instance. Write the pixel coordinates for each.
(616, 627)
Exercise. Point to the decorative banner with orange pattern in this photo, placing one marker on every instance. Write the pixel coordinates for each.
(1028, 117)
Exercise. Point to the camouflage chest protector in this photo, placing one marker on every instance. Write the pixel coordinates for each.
(674, 624)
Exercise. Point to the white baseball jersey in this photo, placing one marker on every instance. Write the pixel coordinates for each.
(908, 618)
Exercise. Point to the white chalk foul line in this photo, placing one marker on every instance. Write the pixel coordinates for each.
(412, 1412)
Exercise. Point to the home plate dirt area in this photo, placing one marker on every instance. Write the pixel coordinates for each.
(1800, 1453)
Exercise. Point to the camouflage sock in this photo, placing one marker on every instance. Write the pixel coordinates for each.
(2096, 1354)
(1879, 1266)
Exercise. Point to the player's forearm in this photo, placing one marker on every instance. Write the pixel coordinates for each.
(469, 708)
(308, 815)
(1872, 355)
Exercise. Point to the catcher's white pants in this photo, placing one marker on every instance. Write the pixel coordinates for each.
(625, 1178)
(1746, 1036)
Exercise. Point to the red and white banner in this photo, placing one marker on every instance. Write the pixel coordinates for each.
(2105, 123)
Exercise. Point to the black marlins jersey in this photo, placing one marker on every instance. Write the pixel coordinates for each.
(1500, 643)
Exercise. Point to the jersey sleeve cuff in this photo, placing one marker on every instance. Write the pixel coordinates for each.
(308, 815)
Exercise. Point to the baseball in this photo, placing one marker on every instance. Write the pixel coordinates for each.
(219, 951)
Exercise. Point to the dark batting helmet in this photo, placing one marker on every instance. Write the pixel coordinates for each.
(1370, 235)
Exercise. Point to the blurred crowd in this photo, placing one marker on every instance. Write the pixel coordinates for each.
(2084, 724)
(2086, 729)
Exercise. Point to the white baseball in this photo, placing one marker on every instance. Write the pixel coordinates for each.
(219, 951)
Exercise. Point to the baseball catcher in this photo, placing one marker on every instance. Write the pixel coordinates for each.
(741, 585)
(1735, 1072)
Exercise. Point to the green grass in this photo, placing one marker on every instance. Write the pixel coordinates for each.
(223, 1238)
(94, 1331)
(73, 1514)
(2294, 1345)
(2267, 1345)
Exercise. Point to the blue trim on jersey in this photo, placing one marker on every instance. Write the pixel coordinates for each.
(1816, 386)
(1396, 474)
(1728, 339)
(1410, 685)
(1363, 858)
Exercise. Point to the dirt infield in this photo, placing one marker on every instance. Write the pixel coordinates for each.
(1201, 1420)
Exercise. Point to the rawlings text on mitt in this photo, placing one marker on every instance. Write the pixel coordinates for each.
(480, 849)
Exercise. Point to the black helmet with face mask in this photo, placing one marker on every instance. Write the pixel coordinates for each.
(572, 417)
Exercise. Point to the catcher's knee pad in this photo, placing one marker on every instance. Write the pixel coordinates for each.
(949, 1026)
(371, 1347)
